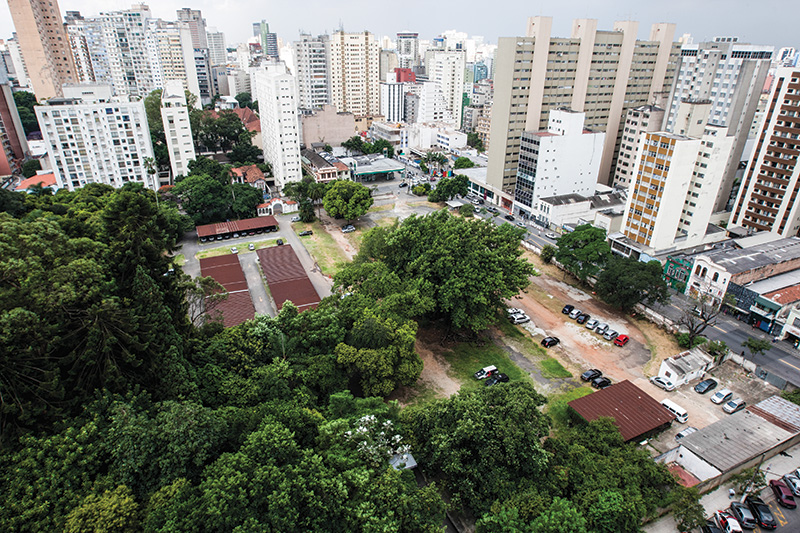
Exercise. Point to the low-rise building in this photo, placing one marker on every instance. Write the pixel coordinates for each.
(685, 367)
(251, 175)
(557, 211)
(324, 167)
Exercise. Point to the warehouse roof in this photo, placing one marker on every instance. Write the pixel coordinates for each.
(286, 277)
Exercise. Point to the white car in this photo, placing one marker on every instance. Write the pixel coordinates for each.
(575, 313)
(348, 229)
(295, 219)
(662, 383)
(793, 483)
(234, 250)
(722, 396)
(514, 311)
(519, 319)
(592, 323)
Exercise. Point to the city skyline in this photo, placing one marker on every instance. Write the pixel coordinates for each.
(702, 20)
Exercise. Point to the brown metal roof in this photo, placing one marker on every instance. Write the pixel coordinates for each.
(633, 410)
(227, 271)
(236, 226)
(286, 277)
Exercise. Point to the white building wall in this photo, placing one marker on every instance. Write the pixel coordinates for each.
(354, 72)
(125, 38)
(393, 101)
(177, 128)
(312, 71)
(97, 143)
(447, 70)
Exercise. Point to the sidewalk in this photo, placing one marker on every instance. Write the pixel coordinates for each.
(718, 499)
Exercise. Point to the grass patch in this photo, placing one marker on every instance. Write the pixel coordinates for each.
(242, 246)
(179, 260)
(552, 369)
(557, 406)
(467, 358)
(386, 221)
(422, 393)
(322, 247)
(509, 329)
(379, 208)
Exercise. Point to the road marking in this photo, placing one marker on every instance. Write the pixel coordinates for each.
(790, 364)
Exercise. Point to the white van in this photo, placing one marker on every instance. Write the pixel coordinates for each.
(680, 413)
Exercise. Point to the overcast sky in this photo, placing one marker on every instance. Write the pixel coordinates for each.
(759, 22)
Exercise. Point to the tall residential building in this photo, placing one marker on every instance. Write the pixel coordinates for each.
(217, 53)
(96, 143)
(177, 128)
(601, 73)
(197, 25)
(564, 159)
(638, 121)
(311, 60)
(424, 103)
(171, 55)
(276, 92)
(730, 75)
(76, 32)
(408, 49)
(675, 179)
(202, 67)
(767, 197)
(13, 145)
(447, 70)
(393, 101)
(44, 44)
(19, 68)
(126, 46)
(268, 40)
(354, 72)
(388, 65)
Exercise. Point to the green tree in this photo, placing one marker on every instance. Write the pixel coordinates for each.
(686, 508)
(209, 167)
(548, 253)
(614, 513)
(12, 202)
(448, 188)
(561, 517)
(756, 347)
(625, 282)
(584, 252)
(244, 99)
(354, 144)
(466, 210)
(243, 152)
(204, 198)
(347, 199)
(700, 312)
(474, 140)
(111, 512)
(25, 102)
(246, 200)
(463, 162)
(30, 167)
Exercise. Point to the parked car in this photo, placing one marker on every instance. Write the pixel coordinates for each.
(734, 406)
(575, 313)
(762, 512)
(234, 250)
(582, 318)
(567, 309)
(514, 311)
(295, 219)
(727, 523)
(485, 372)
(510, 217)
(551, 235)
(306, 232)
(793, 482)
(783, 494)
(705, 386)
(279, 242)
(348, 229)
(251, 246)
(662, 383)
(710, 527)
(591, 323)
(203, 239)
(236, 235)
(685, 433)
(601, 329)
(743, 515)
(590, 375)
(519, 319)
(610, 335)
(549, 342)
(722, 396)
(621, 340)
(601, 382)
(496, 378)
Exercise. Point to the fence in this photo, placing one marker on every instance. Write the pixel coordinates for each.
(758, 370)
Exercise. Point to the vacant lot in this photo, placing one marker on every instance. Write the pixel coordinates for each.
(323, 247)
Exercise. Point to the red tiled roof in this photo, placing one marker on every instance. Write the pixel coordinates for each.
(248, 118)
(786, 295)
(286, 277)
(46, 180)
(236, 226)
(227, 271)
(633, 410)
(250, 173)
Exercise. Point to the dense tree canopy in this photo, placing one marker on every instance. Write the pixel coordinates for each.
(447, 188)
(584, 252)
(625, 282)
(463, 162)
(25, 102)
(347, 199)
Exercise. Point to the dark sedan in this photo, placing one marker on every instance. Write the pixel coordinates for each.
(590, 375)
(762, 513)
(582, 318)
(549, 342)
(497, 378)
(783, 494)
(568, 309)
(705, 386)
(601, 383)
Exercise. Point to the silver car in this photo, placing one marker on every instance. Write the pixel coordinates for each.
(591, 323)
(610, 335)
(575, 313)
(601, 329)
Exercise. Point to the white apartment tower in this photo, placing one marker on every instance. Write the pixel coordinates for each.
(354, 73)
(424, 103)
(96, 143)
(217, 53)
(177, 128)
(126, 48)
(171, 56)
(446, 68)
(408, 49)
(638, 121)
(313, 82)
(563, 159)
(78, 43)
(767, 198)
(601, 73)
(276, 92)
(393, 101)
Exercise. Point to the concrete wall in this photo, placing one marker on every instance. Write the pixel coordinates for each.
(328, 126)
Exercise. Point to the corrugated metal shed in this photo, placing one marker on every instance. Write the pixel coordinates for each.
(286, 277)
(236, 226)
(238, 307)
(633, 410)
(782, 413)
(734, 440)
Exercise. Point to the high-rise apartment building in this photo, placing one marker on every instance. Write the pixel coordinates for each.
(388, 64)
(78, 43)
(17, 70)
(354, 72)
(408, 49)
(177, 128)
(638, 121)
(126, 46)
(217, 53)
(393, 101)
(171, 55)
(767, 199)
(446, 68)
(13, 144)
(276, 92)
(311, 60)
(44, 44)
(424, 103)
(268, 39)
(96, 143)
(601, 73)
(730, 75)
(197, 25)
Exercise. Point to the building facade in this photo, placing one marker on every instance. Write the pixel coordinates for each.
(125, 41)
(638, 121)
(354, 72)
(13, 144)
(393, 101)
(408, 49)
(313, 81)
(217, 52)
(447, 70)
(601, 73)
(193, 18)
(177, 128)
(96, 143)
